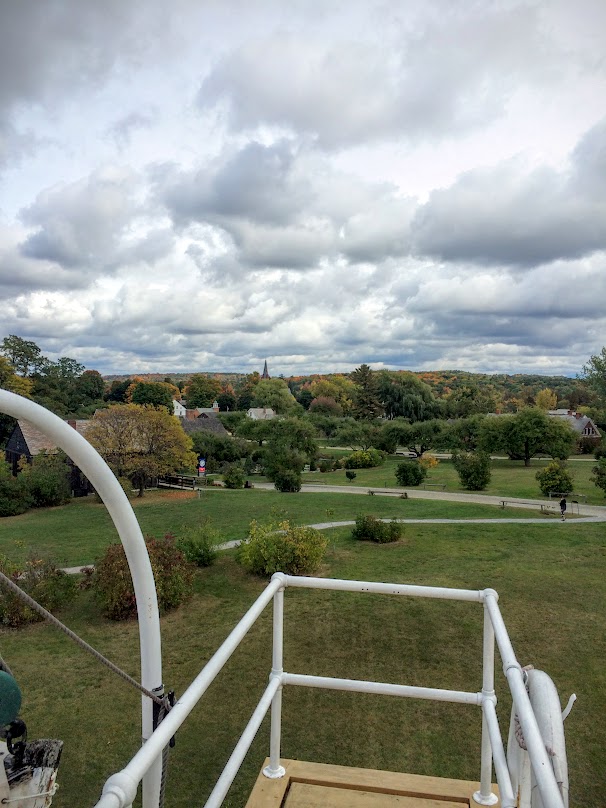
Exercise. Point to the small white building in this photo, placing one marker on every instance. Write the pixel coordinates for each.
(178, 408)
(261, 413)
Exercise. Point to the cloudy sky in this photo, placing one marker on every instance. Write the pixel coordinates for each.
(203, 184)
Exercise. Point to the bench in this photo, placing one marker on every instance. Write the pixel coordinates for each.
(435, 485)
(567, 495)
(545, 508)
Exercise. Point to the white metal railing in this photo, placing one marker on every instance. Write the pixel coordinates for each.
(120, 789)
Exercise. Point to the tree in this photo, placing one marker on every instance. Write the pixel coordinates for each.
(158, 394)
(357, 434)
(594, 373)
(526, 434)
(24, 355)
(404, 395)
(469, 400)
(367, 404)
(202, 391)
(598, 474)
(274, 394)
(227, 400)
(290, 445)
(546, 399)
(89, 387)
(419, 437)
(326, 405)
(340, 388)
(9, 380)
(464, 433)
(140, 442)
(118, 391)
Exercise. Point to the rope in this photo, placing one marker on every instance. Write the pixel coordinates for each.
(4, 667)
(78, 640)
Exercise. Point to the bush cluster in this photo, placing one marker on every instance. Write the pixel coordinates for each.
(40, 485)
(43, 581)
(364, 459)
(287, 481)
(282, 547)
(234, 476)
(369, 528)
(410, 472)
(555, 477)
(328, 464)
(473, 469)
(199, 544)
(113, 584)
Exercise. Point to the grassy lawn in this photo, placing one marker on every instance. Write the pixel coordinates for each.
(509, 478)
(552, 585)
(551, 582)
(78, 533)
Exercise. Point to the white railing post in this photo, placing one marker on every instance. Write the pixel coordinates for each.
(123, 517)
(485, 795)
(275, 769)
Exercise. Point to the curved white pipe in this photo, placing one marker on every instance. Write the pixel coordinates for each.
(548, 712)
(122, 514)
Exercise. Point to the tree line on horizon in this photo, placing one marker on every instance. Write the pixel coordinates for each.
(373, 412)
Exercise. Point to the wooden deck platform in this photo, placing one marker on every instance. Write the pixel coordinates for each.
(318, 785)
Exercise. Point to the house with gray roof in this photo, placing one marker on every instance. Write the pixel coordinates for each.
(27, 442)
(581, 424)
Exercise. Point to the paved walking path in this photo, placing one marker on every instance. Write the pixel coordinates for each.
(588, 513)
(597, 511)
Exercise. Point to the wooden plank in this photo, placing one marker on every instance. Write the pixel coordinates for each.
(304, 795)
(273, 793)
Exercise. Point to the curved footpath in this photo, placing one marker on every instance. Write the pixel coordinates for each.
(588, 513)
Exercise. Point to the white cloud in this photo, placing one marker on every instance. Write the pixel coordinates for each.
(321, 184)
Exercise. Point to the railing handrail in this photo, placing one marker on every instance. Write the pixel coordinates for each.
(120, 789)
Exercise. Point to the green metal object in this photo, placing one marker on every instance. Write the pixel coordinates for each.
(10, 698)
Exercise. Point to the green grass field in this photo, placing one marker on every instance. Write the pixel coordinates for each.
(552, 583)
(79, 532)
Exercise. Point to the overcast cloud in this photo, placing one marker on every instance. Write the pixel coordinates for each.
(206, 185)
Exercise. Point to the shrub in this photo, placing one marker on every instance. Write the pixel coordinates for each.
(351, 475)
(587, 445)
(473, 469)
(43, 581)
(288, 481)
(600, 451)
(369, 528)
(282, 547)
(364, 459)
(47, 480)
(113, 584)
(428, 462)
(234, 477)
(14, 492)
(199, 544)
(410, 472)
(555, 477)
(598, 474)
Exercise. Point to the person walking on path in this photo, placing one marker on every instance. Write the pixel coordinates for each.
(563, 508)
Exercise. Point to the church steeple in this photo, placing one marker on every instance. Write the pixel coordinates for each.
(265, 374)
